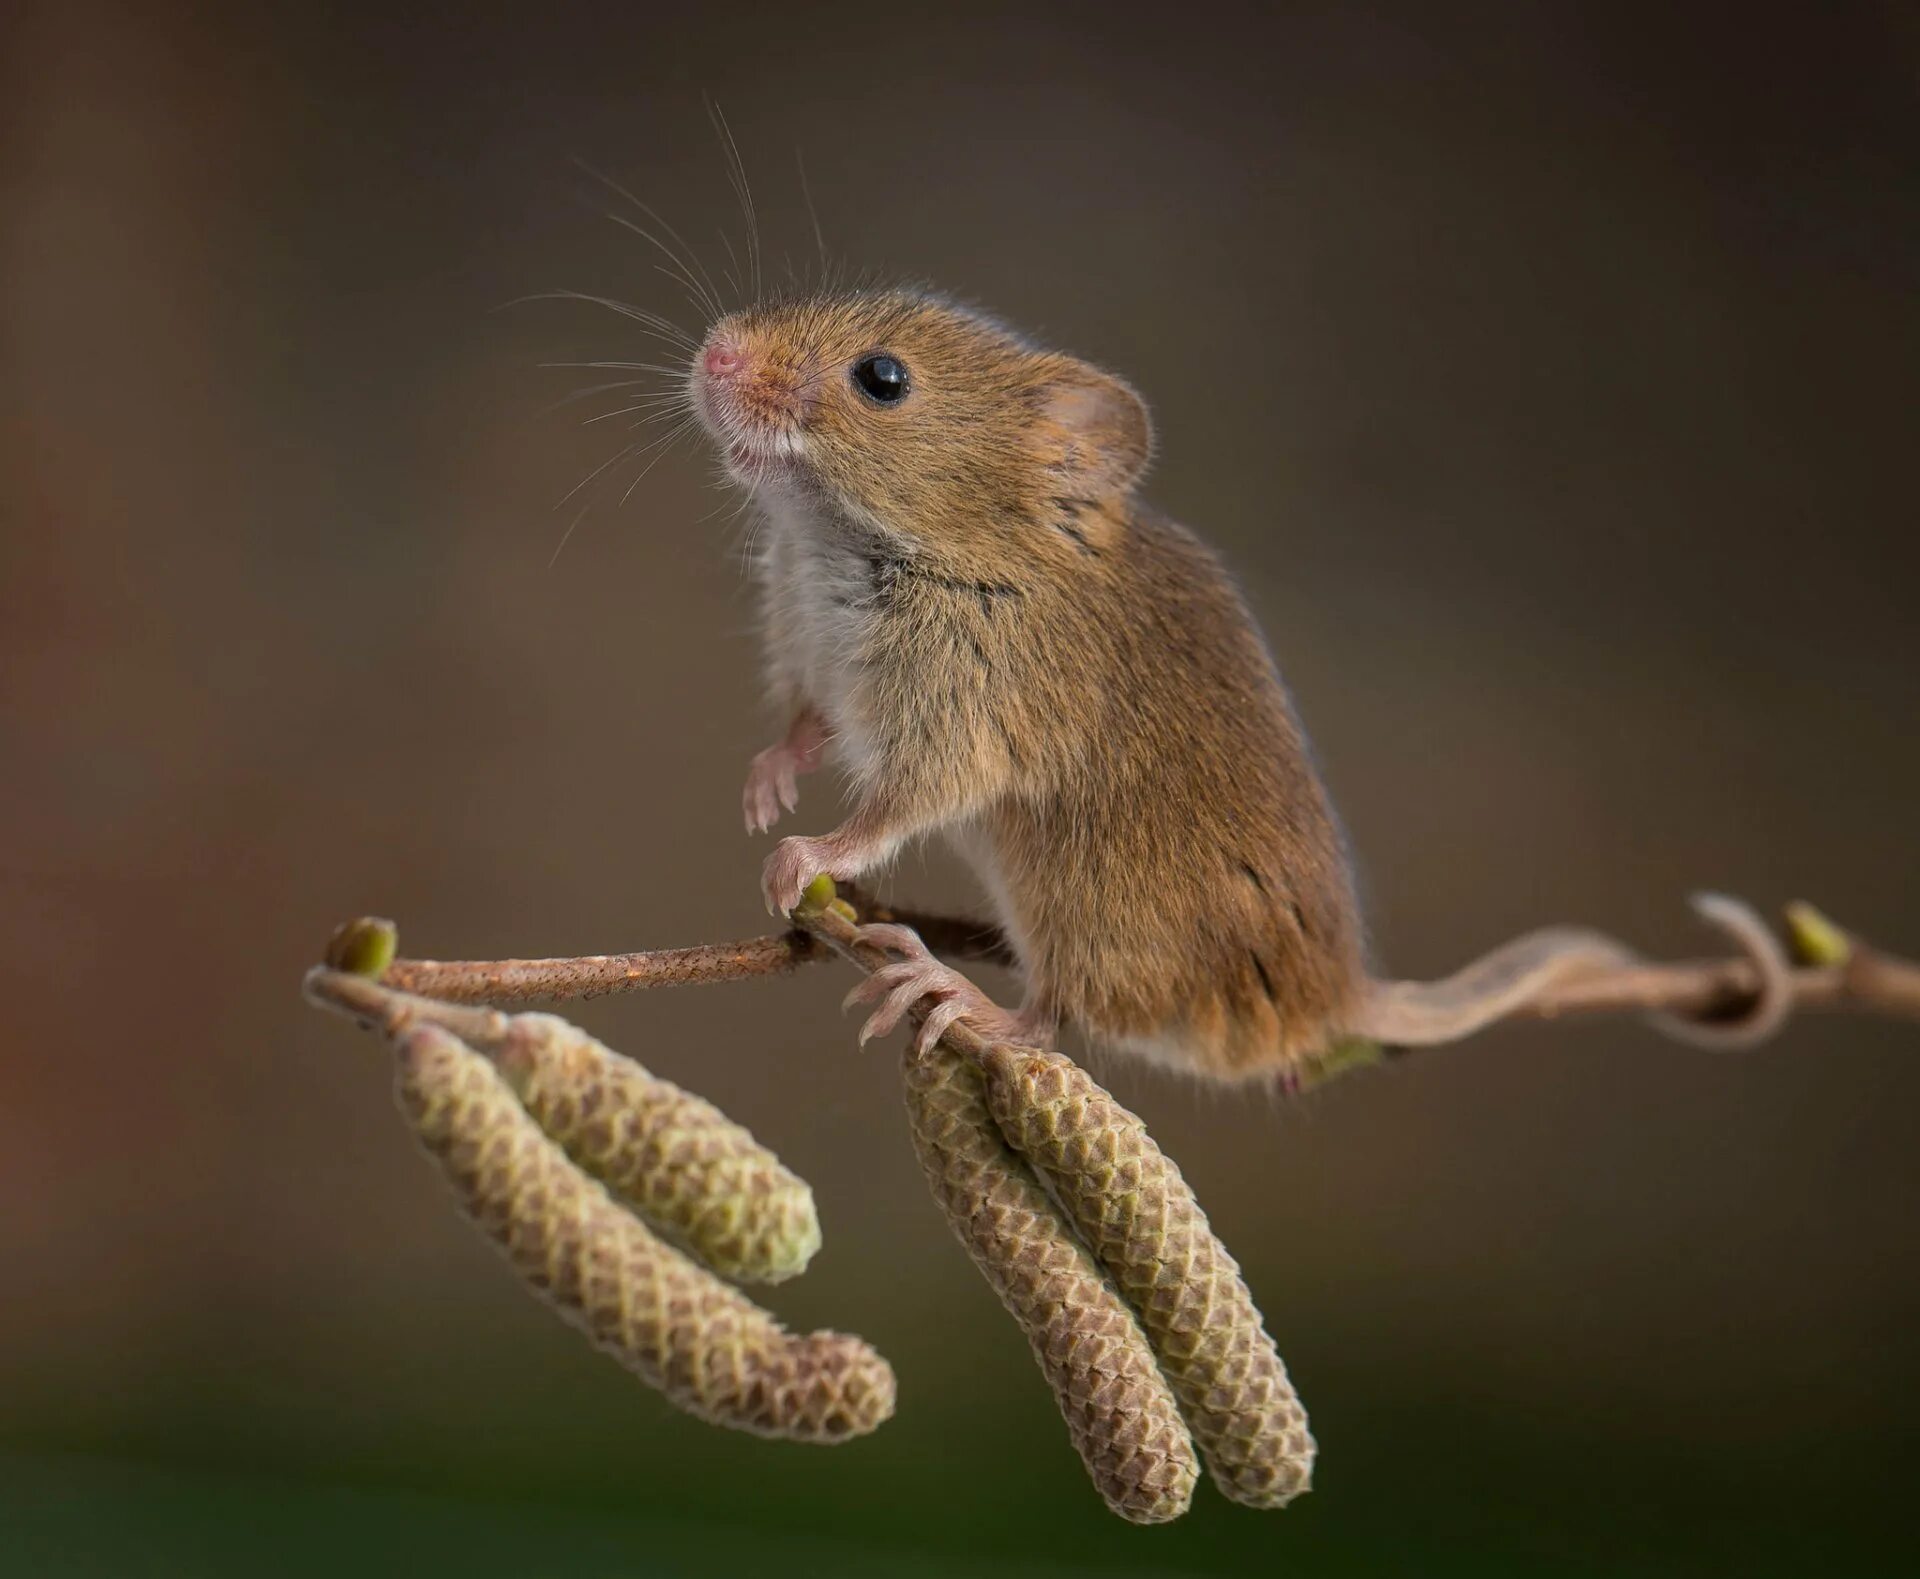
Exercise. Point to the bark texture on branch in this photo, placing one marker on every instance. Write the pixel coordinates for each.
(1832, 971)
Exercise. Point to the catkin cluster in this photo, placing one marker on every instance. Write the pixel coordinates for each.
(576, 1162)
(673, 1157)
(706, 1346)
(1119, 1412)
(1129, 1202)
(1096, 1246)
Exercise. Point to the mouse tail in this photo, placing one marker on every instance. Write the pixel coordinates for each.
(1517, 974)
(1499, 983)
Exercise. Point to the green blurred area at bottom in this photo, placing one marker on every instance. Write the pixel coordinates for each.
(1434, 1498)
(68, 1516)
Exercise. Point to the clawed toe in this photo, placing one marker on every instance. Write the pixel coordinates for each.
(773, 783)
(759, 814)
(893, 1010)
(898, 987)
(900, 939)
(791, 866)
(938, 1021)
(919, 979)
(872, 988)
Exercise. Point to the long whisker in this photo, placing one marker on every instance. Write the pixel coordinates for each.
(630, 452)
(672, 437)
(676, 271)
(819, 236)
(587, 394)
(659, 407)
(695, 295)
(661, 416)
(750, 538)
(704, 285)
(617, 455)
(737, 173)
(663, 329)
(733, 273)
(630, 367)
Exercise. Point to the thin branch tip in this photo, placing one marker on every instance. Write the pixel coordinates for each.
(1733, 1002)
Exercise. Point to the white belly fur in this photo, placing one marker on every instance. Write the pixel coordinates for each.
(814, 580)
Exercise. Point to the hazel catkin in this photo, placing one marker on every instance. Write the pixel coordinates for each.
(1119, 1413)
(1131, 1205)
(673, 1157)
(708, 1348)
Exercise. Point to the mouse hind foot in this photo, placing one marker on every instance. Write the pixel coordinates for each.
(898, 989)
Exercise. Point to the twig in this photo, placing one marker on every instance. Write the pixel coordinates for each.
(595, 975)
(1869, 982)
(957, 937)
(1837, 973)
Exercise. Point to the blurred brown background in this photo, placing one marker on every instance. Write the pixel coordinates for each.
(1546, 371)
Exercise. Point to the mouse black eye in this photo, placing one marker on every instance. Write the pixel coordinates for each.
(881, 377)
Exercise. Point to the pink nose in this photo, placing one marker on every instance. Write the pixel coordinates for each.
(722, 360)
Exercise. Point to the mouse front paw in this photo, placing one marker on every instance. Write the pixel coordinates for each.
(773, 777)
(773, 783)
(793, 864)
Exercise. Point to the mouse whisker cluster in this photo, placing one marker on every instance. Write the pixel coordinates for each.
(680, 262)
(737, 176)
(664, 396)
(588, 391)
(653, 408)
(683, 264)
(651, 324)
(600, 481)
(672, 399)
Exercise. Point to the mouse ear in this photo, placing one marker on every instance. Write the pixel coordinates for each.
(1094, 431)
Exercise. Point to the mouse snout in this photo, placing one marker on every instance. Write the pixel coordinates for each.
(746, 384)
(725, 377)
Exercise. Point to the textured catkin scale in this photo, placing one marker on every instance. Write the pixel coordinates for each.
(1133, 1207)
(1122, 1418)
(676, 1159)
(708, 1348)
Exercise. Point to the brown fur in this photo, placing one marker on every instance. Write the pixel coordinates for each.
(1008, 647)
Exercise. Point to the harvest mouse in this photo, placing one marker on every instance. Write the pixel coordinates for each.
(965, 599)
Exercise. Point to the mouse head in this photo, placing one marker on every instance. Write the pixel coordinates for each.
(918, 418)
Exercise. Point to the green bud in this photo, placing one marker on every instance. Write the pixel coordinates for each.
(1815, 939)
(364, 946)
